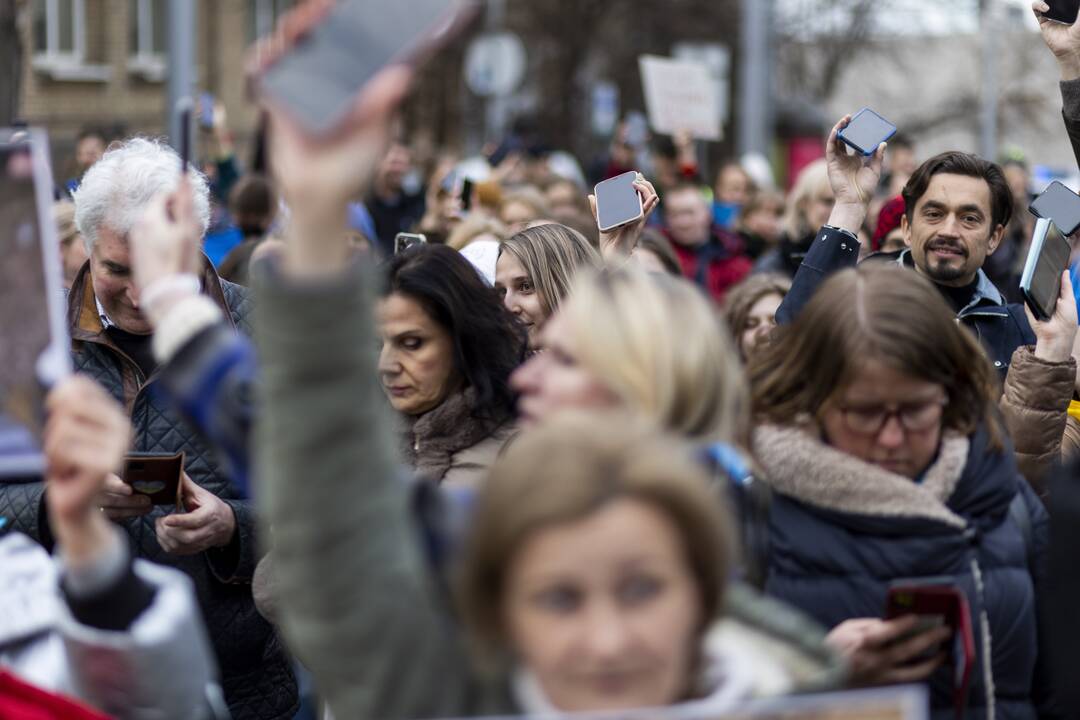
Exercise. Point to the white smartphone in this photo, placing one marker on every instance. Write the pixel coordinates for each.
(617, 202)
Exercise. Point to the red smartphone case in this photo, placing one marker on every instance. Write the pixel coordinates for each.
(949, 602)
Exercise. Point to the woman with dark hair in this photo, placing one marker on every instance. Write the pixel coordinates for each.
(448, 348)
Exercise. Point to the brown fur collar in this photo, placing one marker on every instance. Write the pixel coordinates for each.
(429, 442)
(799, 465)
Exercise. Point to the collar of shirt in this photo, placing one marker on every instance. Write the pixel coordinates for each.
(106, 323)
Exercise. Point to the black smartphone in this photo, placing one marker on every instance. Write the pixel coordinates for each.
(183, 122)
(466, 194)
(318, 80)
(1063, 11)
(617, 202)
(1048, 256)
(404, 241)
(1059, 205)
(866, 131)
(155, 475)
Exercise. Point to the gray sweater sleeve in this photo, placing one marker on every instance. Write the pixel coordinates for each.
(356, 601)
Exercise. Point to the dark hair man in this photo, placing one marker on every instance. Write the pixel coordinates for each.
(957, 209)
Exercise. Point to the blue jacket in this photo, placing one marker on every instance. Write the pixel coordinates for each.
(1000, 327)
(841, 531)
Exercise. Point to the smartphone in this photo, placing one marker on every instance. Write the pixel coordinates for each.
(1040, 282)
(1060, 205)
(34, 345)
(466, 194)
(866, 131)
(155, 475)
(206, 111)
(183, 123)
(1063, 11)
(939, 602)
(404, 241)
(318, 80)
(617, 202)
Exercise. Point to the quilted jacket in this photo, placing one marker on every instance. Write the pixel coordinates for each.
(841, 530)
(256, 674)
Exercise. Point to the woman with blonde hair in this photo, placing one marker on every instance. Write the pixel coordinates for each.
(808, 208)
(535, 270)
(648, 343)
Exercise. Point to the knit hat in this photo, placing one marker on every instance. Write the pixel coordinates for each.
(887, 220)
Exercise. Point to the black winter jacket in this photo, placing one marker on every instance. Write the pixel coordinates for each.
(1001, 328)
(841, 530)
(256, 673)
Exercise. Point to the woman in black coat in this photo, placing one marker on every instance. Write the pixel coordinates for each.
(876, 430)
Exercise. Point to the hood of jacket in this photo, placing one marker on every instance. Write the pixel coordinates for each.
(969, 481)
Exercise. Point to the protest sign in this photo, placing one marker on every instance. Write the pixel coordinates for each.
(681, 95)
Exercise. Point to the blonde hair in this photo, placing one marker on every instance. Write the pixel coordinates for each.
(551, 254)
(526, 195)
(658, 344)
(811, 181)
(473, 227)
(565, 471)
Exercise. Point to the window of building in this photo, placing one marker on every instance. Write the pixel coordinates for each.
(60, 41)
(263, 15)
(147, 23)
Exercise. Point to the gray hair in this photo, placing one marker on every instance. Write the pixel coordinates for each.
(117, 188)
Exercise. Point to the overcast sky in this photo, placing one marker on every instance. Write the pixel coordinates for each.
(922, 16)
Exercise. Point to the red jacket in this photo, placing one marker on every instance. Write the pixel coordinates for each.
(20, 701)
(724, 260)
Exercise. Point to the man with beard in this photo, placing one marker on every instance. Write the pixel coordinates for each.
(956, 209)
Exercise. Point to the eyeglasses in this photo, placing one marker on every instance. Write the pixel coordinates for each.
(913, 417)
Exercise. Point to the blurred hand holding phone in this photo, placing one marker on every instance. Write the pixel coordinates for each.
(1058, 213)
(318, 80)
(34, 347)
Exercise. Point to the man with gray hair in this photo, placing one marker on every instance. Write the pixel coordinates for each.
(211, 534)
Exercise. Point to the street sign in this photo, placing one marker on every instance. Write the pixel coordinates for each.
(495, 64)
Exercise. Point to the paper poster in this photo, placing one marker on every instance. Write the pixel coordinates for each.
(681, 95)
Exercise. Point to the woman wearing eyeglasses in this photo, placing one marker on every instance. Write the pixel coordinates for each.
(876, 430)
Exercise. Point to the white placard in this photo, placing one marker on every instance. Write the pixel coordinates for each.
(681, 95)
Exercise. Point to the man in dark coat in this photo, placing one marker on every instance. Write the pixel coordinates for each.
(212, 537)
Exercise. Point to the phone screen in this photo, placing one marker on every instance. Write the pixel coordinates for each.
(617, 201)
(866, 131)
(1046, 280)
(33, 348)
(1064, 11)
(319, 79)
(1060, 205)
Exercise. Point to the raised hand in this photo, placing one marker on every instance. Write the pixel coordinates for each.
(621, 241)
(853, 178)
(1054, 337)
(1063, 41)
(165, 242)
(85, 439)
(318, 177)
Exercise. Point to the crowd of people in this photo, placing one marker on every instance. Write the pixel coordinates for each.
(519, 465)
